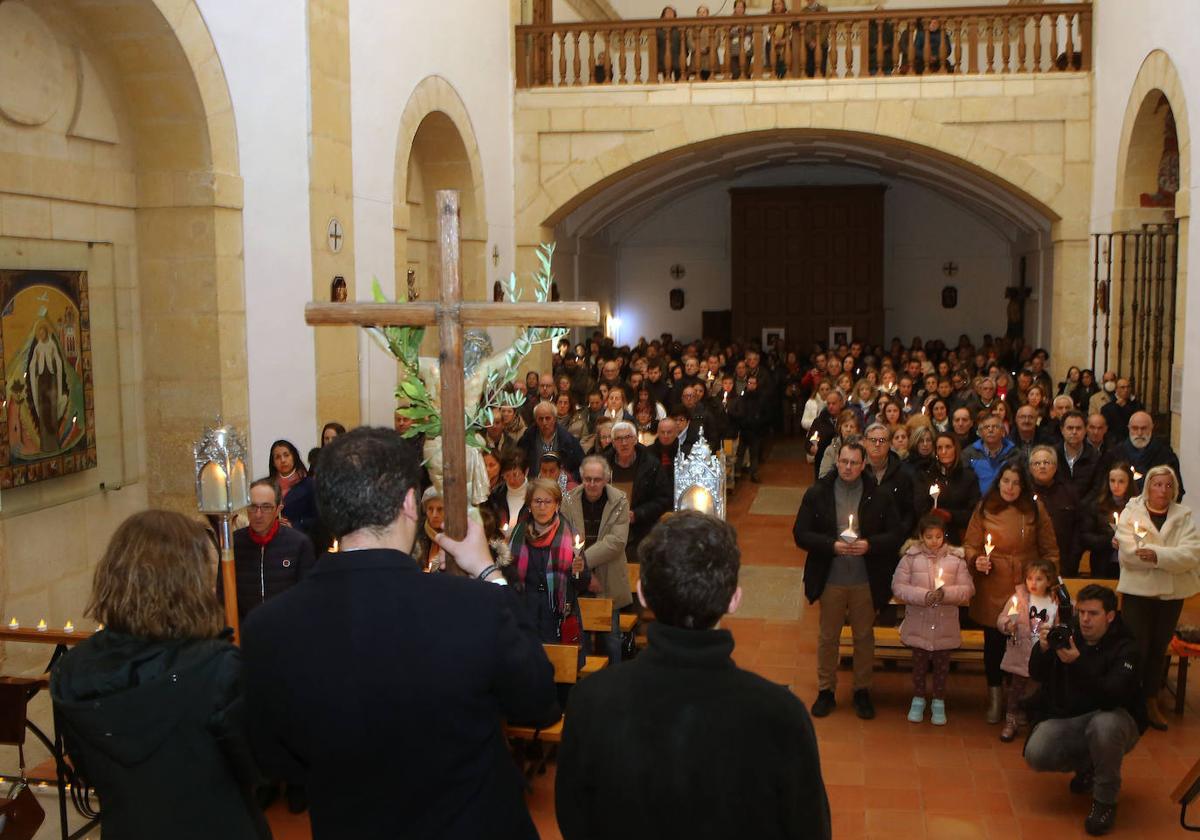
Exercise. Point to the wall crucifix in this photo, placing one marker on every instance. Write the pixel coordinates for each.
(451, 314)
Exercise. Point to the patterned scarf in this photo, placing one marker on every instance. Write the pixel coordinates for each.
(559, 537)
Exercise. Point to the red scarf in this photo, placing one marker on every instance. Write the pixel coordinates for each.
(263, 539)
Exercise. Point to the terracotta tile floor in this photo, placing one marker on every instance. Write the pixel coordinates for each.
(889, 778)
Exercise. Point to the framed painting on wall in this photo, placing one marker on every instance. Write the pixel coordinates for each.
(772, 334)
(46, 376)
(839, 336)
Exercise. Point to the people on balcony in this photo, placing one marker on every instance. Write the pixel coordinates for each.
(670, 48)
(815, 35)
(699, 47)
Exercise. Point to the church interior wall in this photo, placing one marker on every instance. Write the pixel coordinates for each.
(916, 246)
(267, 72)
(1126, 46)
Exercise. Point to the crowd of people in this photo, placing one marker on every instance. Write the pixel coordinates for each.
(959, 481)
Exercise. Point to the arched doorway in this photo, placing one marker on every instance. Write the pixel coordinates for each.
(666, 224)
(1140, 282)
(121, 152)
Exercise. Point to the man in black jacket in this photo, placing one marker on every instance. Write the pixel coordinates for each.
(849, 568)
(642, 479)
(404, 677)
(546, 435)
(1142, 450)
(824, 428)
(750, 416)
(680, 742)
(269, 557)
(1090, 704)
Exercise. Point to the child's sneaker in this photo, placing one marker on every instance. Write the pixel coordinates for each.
(938, 715)
(916, 712)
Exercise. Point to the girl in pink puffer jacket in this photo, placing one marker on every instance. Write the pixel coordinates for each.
(933, 580)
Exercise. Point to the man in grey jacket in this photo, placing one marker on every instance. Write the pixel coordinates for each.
(600, 512)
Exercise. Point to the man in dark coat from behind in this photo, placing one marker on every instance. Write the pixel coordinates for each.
(368, 665)
(681, 742)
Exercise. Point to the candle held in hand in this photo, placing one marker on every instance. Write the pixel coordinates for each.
(1116, 520)
(1012, 606)
(939, 581)
(989, 546)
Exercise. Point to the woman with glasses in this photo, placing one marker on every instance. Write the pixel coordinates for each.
(547, 570)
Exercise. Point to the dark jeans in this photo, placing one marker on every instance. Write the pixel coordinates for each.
(611, 641)
(753, 444)
(994, 644)
(1152, 622)
(1097, 741)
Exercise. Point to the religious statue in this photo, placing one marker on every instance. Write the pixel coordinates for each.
(485, 375)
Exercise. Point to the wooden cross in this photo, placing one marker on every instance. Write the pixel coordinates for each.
(451, 314)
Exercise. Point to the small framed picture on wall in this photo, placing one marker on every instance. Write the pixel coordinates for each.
(773, 334)
(840, 335)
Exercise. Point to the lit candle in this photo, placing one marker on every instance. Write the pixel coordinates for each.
(334, 548)
(578, 542)
(939, 581)
(935, 491)
(14, 624)
(68, 627)
(1137, 476)
(1012, 607)
(1116, 520)
(850, 526)
(988, 546)
(814, 437)
(1139, 533)
(41, 626)
(1035, 497)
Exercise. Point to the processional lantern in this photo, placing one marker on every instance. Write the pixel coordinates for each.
(221, 490)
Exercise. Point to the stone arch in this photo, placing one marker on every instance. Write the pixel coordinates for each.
(1141, 137)
(876, 123)
(145, 97)
(436, 149)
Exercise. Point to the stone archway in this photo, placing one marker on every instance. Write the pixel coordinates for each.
(436, 149)
(123, 162)
(1141, 143)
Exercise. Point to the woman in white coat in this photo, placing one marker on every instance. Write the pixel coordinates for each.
(1159, 552)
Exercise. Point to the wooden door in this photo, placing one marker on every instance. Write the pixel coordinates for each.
(717, 324)
(807, 259)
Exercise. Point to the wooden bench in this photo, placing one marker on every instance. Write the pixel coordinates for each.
(888, 646)
(565, 659)
(595, 617)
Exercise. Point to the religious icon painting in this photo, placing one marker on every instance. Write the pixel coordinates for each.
(46, 376)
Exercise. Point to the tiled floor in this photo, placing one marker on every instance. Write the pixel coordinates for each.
(889, 778)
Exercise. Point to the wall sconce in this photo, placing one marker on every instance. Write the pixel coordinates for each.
(337, 290)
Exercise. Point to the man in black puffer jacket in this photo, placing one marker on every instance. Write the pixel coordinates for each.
(268, 557)
(641, 478)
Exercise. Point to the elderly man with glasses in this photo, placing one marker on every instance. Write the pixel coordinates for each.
(647, 485)
(889, 472)
(600, 513)
(1051, 488)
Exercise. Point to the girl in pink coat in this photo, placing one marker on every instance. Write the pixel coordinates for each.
(1030, 608)
(933, 580)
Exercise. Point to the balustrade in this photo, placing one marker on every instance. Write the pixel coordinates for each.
(801, 45)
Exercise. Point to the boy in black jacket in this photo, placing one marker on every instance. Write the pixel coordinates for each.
(680, 742)
(1090, 707)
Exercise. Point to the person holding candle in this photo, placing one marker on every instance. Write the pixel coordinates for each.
(1159, 552)
(957, 488)
(1032, 605)
(645, 482)
(933, 580)
(508, 500)
(426, 551)
(852, 534)
(1008, 529)
(150, 708)
(599, 513)
(1101, 515)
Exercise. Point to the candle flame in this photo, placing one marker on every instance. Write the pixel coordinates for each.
(41, 626)
(335, 547)
(14, 624)
(1012, 609)
(816, 436)
(69, 627)
(989, 546)
(1116, 519)
(578, 542)
(939, 581)
(934, 490)
(1137, 476)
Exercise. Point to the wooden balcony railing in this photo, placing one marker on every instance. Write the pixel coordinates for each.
(799, 45)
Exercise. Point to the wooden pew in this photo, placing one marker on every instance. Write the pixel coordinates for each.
(565, 659)
(595, 617)
(888, 646)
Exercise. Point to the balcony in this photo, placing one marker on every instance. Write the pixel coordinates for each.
(964, 41)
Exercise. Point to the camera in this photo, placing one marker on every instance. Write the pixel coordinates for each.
(1059, 637)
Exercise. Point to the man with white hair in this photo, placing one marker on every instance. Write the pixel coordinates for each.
(640, 477)
(547, 435)
(600, 513)
(1141, 450)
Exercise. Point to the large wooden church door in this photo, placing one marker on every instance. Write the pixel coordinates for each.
(807, 259)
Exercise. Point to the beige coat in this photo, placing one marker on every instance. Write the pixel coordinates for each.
(606, 556)
(1018, 540)
(1176, 575)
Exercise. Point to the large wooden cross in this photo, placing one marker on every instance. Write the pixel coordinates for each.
(451, 314)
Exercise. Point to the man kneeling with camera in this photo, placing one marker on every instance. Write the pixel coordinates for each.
(1090, 708)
